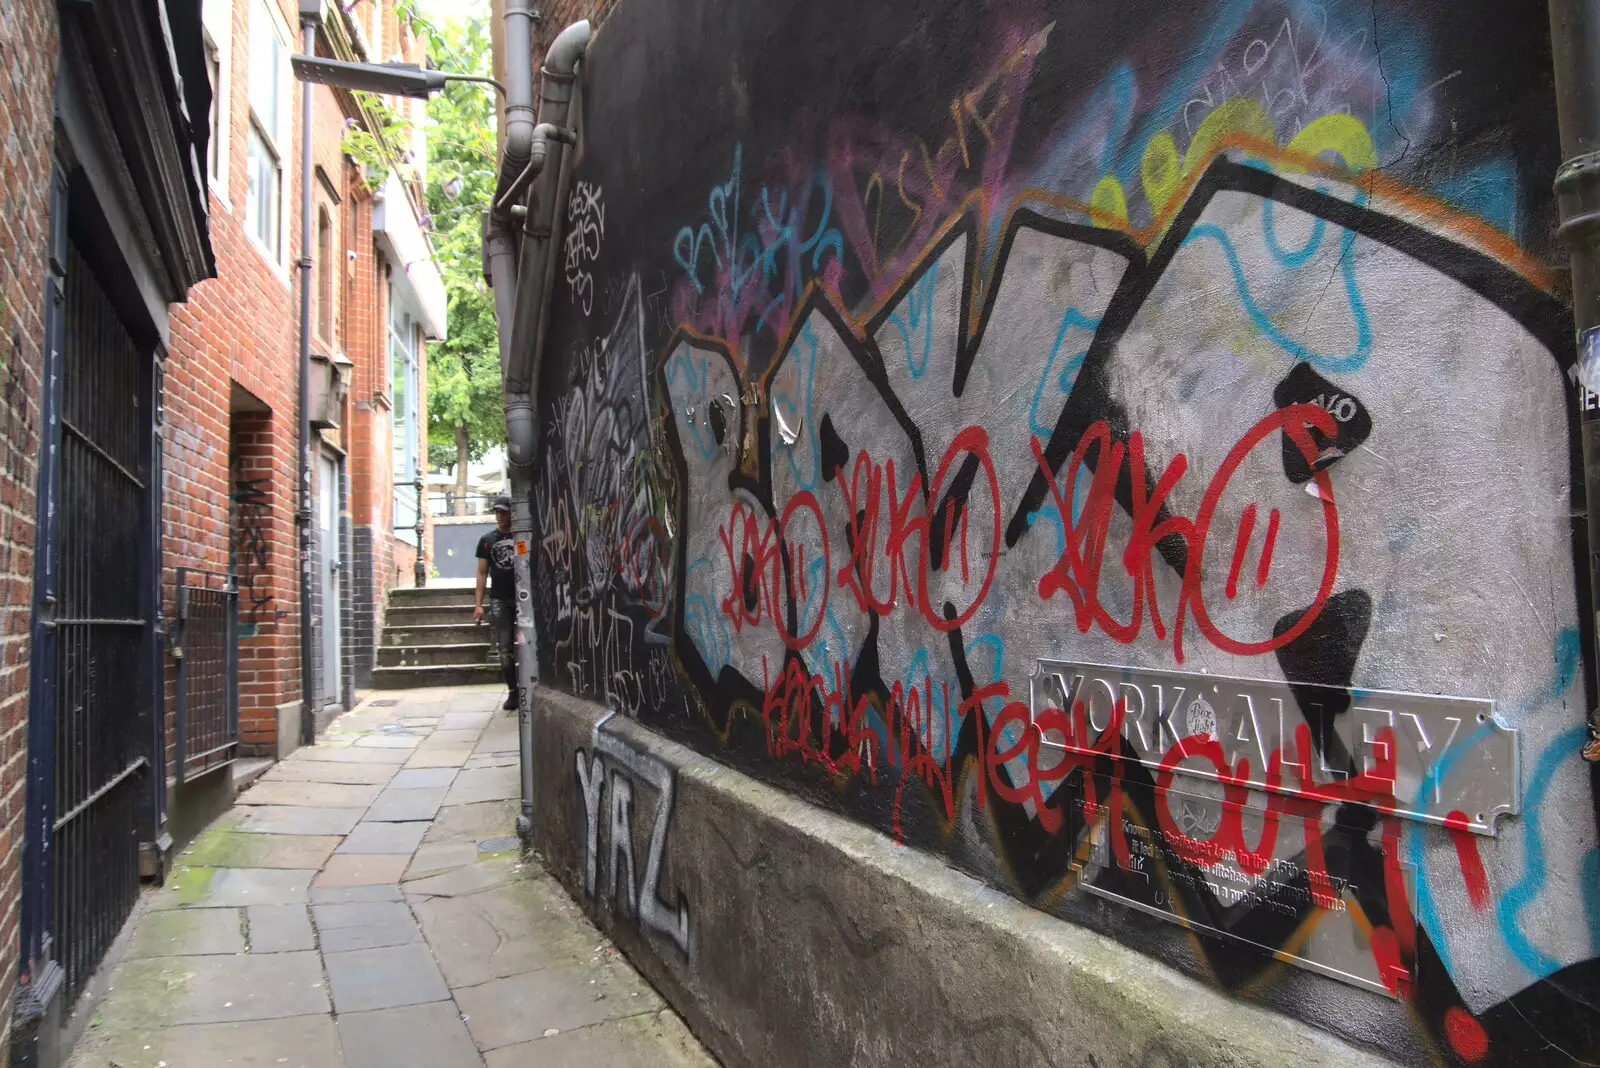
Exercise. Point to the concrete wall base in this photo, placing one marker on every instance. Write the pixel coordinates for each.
(790, 937)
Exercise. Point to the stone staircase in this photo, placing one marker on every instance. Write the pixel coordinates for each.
(429, 639)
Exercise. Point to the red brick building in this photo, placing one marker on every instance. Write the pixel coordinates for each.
(150, 274)
(230, 478)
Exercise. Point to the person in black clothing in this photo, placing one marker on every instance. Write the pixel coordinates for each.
(496, 553)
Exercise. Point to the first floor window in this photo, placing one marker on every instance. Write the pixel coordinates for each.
(264, 195)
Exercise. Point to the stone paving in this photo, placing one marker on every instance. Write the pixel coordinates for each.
(364, 906)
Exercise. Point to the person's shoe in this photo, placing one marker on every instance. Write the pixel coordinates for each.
(511, 702)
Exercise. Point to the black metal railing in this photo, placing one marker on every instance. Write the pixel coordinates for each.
(448, 502)
(206, 646)
(101, 676)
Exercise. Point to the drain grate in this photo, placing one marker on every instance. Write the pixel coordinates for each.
(387, 702)
(498, 845)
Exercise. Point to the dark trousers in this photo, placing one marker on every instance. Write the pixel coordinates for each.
(502, 616)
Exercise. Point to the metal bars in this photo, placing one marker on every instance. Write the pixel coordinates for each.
(207, 652)
(102, 687)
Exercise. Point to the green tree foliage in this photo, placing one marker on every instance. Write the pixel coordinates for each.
(465, 417)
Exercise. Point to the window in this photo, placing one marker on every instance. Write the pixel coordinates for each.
(325, 272)
(263, 212)
(403, 419)
(216, 19)
(214, 72)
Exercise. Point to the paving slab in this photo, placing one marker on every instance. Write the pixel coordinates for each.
(380, 837)
(235, 849)
(452, 757)
(473, 821)
(440, 857)
(431, 1035)
(389, 741)
(384, 978)
(522, 1007)
(218, 989)
(362, 869)
(344, 895)
(657, 1039)
(402, 806)
(294, 819)
(189, 887)
(522, 927)
(188, 932)
(350, 755)
(474, 785)
(295, 1042)
(422, 778)
(465, 721)
(329, 771)
(366, 925)
(489, 872)
(279, 928)
(452, 739)
(500, 737)
(314, 794)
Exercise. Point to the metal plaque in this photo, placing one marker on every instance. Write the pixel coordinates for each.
(1275, 899)
(1439, 760)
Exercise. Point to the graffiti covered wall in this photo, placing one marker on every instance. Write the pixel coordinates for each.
(1125, 452)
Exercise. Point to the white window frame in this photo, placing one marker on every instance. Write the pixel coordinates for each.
(216, 19)
(216, 24)
(404, 459)
(277, 140)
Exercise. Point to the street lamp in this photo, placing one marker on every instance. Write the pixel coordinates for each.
(393, 79)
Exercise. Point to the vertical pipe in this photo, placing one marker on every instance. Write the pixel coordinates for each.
(308, 721)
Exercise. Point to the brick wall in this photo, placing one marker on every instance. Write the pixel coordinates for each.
(27, 56)
(238, 332)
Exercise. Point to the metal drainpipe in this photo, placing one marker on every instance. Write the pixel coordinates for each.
(302, 516)
(420, 572)
(1575, 51)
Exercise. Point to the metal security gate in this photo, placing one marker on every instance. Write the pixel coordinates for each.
(207, 651)
(91, 721)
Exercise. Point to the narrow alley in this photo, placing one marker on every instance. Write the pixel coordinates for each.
(365, 904)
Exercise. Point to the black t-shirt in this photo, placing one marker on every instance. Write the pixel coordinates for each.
(500, 549)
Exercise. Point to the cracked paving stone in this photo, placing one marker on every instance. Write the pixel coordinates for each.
(521, 1008)
(347, 755)
(293, 819)
(524, 926)
(233, 849)
(311, 794)
(657, 1039)
(431, 1035)
(368, 925)
(384, 978)
(362, 869)
(423, 778)
(217, 989)
(380, 837)
(296, 1042)
(292, 770)
(188, 932)
(279, 929)
(220, 887)
(475, 785)
(399, 806)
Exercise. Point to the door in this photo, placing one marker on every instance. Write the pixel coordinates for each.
(92, 704)
(328, 535)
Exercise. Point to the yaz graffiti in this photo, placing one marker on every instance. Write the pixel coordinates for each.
(637, 893)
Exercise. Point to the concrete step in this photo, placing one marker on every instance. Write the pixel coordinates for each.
(430, 597)
(425, 655)
(406, 616)
(404, 678)
(467, 633)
